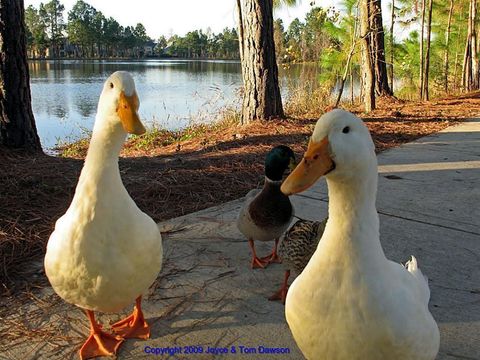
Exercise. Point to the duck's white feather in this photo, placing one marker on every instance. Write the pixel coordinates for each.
(104, 251)
(350, 302)
(422, 279)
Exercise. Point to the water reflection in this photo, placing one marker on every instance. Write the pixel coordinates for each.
(172, 92)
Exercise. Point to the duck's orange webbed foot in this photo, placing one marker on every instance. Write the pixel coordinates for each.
(134, 325)
(256, 261)
(99, 343)
(273, 257)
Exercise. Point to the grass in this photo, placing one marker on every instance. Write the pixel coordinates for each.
(308, 100)
(157, 136)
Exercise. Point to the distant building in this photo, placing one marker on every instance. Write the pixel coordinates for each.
(148, 48)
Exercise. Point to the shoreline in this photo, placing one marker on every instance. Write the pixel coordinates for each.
(144, 59)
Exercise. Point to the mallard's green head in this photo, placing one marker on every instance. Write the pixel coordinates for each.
(279, 159)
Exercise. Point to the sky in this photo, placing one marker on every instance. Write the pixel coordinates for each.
(167, 17)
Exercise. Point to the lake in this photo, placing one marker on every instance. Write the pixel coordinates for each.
(173, 93)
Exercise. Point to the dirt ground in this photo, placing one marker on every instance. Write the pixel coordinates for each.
(180, 178)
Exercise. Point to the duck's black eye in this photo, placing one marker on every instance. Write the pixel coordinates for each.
(111, 85)
(346, 129)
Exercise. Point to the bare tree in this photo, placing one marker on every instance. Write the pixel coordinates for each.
(17, 124)
(261, 98)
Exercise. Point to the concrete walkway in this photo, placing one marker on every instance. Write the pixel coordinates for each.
(207, 296)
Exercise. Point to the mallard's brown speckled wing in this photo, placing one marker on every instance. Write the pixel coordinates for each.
(300, 242)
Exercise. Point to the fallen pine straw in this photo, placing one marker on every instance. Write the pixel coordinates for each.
(178, 178)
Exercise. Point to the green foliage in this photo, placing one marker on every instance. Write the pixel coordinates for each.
(52, 16)
(197, 44)
(89, 32)
(81, 26)
(308, 99)
(305, 41)
(157, 137)
(37, 38)
(325, 37)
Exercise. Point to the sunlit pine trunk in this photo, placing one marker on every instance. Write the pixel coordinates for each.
(367, 59)
(378, 48)
(447, 43)
(261, 96)
(470, 59)
(473, 44)
(420, 90)
(17, 124)
(425, 92)
(392, 22)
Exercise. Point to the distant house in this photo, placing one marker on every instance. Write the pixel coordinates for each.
(148, 48)
(64, 49)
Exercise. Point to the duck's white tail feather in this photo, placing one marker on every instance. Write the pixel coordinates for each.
(412, 267)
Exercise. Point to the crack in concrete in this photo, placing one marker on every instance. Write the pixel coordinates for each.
(428, 223)
(413, 220)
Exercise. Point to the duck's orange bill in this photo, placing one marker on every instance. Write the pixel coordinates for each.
(315, 163)
(127, 110)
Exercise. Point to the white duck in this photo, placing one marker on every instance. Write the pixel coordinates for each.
(105, 252)
(351, 302)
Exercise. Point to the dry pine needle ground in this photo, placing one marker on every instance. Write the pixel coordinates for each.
(181, 177)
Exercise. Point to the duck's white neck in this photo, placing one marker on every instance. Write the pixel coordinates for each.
(353, 226)
(107, 141)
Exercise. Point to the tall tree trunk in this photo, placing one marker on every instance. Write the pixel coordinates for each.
(367, 60)
(378, 48)
(420, 89)
(17, 124)
(470, 75)
(473, 44)
(466, 68)
(53, 43)
(261, 97)
(392, 22)
(447, 43)
(427, 52)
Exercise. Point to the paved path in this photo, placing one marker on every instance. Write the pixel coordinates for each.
(428, 200)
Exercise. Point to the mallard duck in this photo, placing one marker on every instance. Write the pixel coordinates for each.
(266, 215)
(350, 301)
(296, 248)
(105, 252)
